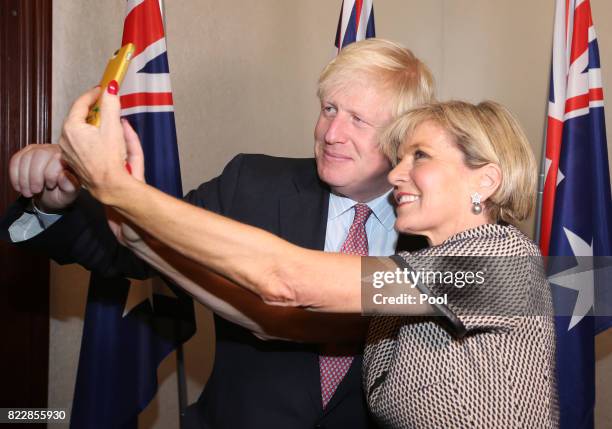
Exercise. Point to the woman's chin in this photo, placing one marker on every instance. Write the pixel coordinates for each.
(406, 228)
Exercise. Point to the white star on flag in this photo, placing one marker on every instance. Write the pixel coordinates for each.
(579, 278)
(142, 290)
(560, 175)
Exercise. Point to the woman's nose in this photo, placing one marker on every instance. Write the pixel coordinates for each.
(396, 176)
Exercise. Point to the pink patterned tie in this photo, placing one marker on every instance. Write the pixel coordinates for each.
(334, 368)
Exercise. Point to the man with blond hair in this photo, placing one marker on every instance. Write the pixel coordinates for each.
(337, 201)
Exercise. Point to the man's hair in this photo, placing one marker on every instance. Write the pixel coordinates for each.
(384, 63)
(485, 133)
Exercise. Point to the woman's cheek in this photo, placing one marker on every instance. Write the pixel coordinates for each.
(425, 179)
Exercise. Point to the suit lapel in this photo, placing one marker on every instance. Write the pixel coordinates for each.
(303, 221)
(303, 215)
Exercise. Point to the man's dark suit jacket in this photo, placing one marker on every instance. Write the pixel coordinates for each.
(254, 383)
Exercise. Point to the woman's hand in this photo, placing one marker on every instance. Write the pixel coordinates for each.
(98, 156)
(120, 227)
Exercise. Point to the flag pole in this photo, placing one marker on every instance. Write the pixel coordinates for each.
(182, 385)
(180, 358)
(542, 175)
(541, 182)
(162, 9)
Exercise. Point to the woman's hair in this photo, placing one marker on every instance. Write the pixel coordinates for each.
(388, 65)
(485, 133)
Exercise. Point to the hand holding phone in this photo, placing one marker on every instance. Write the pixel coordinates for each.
(115, 70)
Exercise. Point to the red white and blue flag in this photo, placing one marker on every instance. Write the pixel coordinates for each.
(356, 22)
(146, 95)
(127, 333)
(576, 206)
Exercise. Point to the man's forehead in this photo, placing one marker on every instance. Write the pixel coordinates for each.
(357, 81)
(362, 95)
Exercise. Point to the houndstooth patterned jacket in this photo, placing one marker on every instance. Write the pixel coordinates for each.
(488, 362)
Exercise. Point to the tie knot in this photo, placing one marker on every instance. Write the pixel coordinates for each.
(362, 213)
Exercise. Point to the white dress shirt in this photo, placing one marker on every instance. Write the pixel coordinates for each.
(382, 237)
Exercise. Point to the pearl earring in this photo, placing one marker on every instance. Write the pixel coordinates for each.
(476, 207)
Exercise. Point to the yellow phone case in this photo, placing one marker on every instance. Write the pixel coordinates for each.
(115, 70)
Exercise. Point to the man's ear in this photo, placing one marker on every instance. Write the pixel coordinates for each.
(488, 180)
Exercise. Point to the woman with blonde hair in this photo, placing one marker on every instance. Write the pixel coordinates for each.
(440, 353)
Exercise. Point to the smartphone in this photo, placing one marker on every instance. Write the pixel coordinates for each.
(115, 70)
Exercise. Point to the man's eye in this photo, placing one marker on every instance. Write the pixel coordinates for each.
(329, 110)
(360, 122)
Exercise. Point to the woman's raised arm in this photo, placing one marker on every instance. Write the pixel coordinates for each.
(279, 272)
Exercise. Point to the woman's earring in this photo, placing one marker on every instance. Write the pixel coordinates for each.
(476, 207)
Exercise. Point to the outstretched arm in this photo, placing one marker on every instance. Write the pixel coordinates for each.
(280, 273)
(240, 306)
(223, 297)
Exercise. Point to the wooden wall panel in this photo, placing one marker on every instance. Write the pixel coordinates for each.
(25, 114)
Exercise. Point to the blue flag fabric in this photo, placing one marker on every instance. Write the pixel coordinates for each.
(122, 346)
(356, 22)
(577, 206)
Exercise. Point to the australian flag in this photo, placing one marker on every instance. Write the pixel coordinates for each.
(577, 208)
(130, 327)
(356, 22)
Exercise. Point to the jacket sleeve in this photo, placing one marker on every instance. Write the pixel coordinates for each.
(82, 235)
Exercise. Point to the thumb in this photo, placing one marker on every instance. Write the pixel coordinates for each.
(135, 155)
(80, 108)
(110, 109)
(68, 182)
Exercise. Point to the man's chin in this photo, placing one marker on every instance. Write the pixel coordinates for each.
(335, 179)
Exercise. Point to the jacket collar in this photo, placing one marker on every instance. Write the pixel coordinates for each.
(303, 214)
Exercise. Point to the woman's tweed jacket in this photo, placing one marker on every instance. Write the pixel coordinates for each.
(488, 360)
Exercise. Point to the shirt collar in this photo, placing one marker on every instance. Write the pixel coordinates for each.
(381, 207)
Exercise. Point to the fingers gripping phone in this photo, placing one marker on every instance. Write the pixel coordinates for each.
(115, 70)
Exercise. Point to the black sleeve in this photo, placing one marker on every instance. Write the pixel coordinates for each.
(82, 235)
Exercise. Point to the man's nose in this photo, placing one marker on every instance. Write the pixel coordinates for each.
(336, 132)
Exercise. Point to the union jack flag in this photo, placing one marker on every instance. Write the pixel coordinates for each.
(129, 326)
(356, 22)
(576, 206)
(146, 95)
